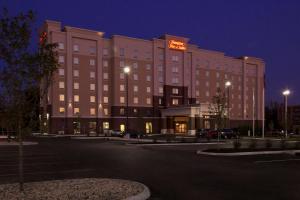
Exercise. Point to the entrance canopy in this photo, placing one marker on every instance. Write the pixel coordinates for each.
(188, 111)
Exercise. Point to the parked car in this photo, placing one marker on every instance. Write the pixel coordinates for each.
(117, 133)
(227, 133)
(135, 134)
(201, 133)
(212, 134)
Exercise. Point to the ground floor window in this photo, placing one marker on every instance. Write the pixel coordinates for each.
(105, 125)
(92, 127)
(122, 127)
(76, 127)
(148, 127)
(180, 127)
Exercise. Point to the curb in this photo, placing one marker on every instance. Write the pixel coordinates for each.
(292, 152)
(178, 144)
(17, 143)
(141, 196)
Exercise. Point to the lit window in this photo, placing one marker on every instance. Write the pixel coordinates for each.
(105, 111)
(61, 46)
(175, 69)
(122, 63)
(148, 101)
(105, 52)
(148, 89)
(76, 98)
(207, 93)
(92, 62)
(122, 75)
(135, 65)
(105, 87)
(159, 101)
(175, 91)
(92, 111)
(148, 66)
(135, 100)
(207, 73)
(76, 73)
(197, 82)
(197, 93)
(61, 85)
(135, 88)
(76, 110)
(106, 125)
(122, 111)
(105, 63)
(61, 109)
(160, 90)
(61, 72)
(148, 78)
(92, 74)
(61, 97)
(135, 77)
(175, 101)
(61, 59)
(207, 84)
(148, 127)
(76, 86)
(92, 99)
(122, 88)
(75, 47)
(76, 60)
(105, 99)
(105, 75)
(122, 100)
(92, 86)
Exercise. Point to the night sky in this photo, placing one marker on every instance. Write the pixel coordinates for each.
(269, 29)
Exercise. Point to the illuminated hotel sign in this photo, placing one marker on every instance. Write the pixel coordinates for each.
(174, 44)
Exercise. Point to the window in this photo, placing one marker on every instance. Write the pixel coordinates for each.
(61, 109)
(92, 99)
(160, 68)
(61, 46)
(148, 127)
(61, 85)
(207, 73)
(148, 101)
(105, 99)
(135, 65)
(92, 62)
(122, 51)
(159, 101)
(122, 63)
(76, 73)
(105, 87)
(161, 57)
(218, 75)
(122, 111)
(175, 80)
(148, 66)
(197, 82)
(135, 110)
(240, 97)
(161, 79)
(207, 84)
(122, 100)
(105, 111)
(135, 77)
(105, 125)
(175, 101)
(92, 86)
(160, 90)
(92, 111)
(76, 111)
(148, 78)
(105, 63)
(61, 59)
(75, 47)
(76, 98)
(76, 60)
(61, 72)
(174, 69)
(92, 50)
(105, 75)
(226, 76)
(175, 58)
(175, 91)
(122, 88)
(92, 74)
(197, 72)
(105, 52)
(207, 93)
(122, 75)
(122, 127)
(197, 93)
(135, 88)
(240, 88)
(61, 97)
(76, 86)
(148, 89)
(218, 84)
(135, 100)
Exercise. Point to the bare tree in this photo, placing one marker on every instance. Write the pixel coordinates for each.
(218, 108)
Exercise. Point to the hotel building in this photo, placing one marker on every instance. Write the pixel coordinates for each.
(171, 84)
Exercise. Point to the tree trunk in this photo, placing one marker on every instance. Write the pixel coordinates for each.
(21, 175)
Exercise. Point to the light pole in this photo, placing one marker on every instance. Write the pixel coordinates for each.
(126, 70)
(285, 93)
(227, 86)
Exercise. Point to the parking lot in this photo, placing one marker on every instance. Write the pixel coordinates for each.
(171, 172)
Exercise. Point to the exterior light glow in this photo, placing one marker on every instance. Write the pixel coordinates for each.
(228, 83)
(286, 92)
(126, 70)
(246, 57)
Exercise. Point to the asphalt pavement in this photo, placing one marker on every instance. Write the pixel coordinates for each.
(171, 172)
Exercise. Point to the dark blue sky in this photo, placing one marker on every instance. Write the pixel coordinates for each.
(269, 29)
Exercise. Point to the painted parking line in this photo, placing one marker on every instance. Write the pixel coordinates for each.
(178, 144)
(274, 161)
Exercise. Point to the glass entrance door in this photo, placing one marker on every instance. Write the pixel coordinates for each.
(180, 127)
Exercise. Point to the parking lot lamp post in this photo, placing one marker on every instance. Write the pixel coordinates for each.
(285, 93)
(126, 70)
(227, 86)
(47, 115)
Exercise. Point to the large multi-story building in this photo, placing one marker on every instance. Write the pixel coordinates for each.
(171, 83)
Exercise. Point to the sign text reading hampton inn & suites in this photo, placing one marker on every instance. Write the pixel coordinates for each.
(174, 44)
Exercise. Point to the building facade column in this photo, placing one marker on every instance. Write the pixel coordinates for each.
(191, 126)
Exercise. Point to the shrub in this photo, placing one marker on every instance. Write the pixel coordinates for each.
(154, 140)
(268, 143)
(283, 143)
(168, 139)
(195, 139)
(297, 145)
(183, 140)
(253, 144)
(237, 144)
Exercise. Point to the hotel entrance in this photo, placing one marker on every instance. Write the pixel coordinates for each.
(180, 125)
